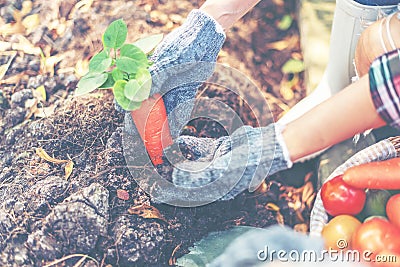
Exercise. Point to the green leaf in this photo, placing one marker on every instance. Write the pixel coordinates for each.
(117, 74)
(285, 22)
(109, 83)
(143, 77)
(131, 90)
(127, 65)
(149, 43)
(133, 52)
(90, 82)
(135, 92)
(100, 62)
(293, 66)
(122, 100)
(210, 247)
(115, 34)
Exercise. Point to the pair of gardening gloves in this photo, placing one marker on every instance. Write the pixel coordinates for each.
(182, 62)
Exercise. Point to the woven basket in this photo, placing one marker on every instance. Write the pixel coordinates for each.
(383, 150)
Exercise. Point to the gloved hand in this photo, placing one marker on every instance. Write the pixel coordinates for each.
(237, 162)
(177, 71)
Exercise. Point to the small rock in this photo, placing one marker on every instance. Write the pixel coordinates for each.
(3, 101)
(19, 98)
(34, 65)
(50, 84)
(19, 207)
(66, 80)
(36, 81)
(14, 116)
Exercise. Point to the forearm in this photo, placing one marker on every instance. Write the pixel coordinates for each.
(349, 112)
(227, 12)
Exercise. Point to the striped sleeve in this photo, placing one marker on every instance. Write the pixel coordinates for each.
(384, 79)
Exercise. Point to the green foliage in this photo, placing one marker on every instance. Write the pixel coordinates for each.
(210, 247)
(121, 66)
(285, 22)
(293, 66)
(147, 44)
(115, 34)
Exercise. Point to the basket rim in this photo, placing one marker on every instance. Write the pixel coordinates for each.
(383, 150)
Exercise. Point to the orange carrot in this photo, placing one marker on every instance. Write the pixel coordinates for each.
(375, 175)
(151, 121)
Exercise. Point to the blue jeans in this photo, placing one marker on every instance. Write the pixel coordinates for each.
(377, 2)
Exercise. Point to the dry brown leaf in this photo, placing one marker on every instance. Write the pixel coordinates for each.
(301, 228)
(287, 86)
(146, 211)
(288, 43)
(50, 62)
(17, 26)
(278, 2)
(45, 111)
(83, 6)
(26, 8)
(61, 27)
(272, 206)
(31, 105)
(69, 167)
(81, 67)
(12, 28)
(172, 259)
(286, 91)
(26, 46)
(4, 46)
(43, 155)
(279, 216)
(263, 188)
(13, 79)
(4, 68)
(308, 194)
(31, 22)
(295, 204)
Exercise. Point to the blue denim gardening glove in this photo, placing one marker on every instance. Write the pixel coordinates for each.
(178, 68)
(239, 162)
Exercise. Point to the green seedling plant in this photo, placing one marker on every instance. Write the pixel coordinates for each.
(121, 66)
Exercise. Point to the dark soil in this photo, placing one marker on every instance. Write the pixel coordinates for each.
(46, 218)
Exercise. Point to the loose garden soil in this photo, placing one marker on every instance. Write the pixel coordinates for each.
(98, 210)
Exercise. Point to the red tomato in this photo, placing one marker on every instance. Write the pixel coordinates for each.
(392, 210)
(377, 236)
(340, 198)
